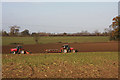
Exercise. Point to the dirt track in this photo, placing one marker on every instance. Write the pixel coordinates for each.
(81, 47)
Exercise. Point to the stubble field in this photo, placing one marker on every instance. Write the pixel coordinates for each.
(59, 65)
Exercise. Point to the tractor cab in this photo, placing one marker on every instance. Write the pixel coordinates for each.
(19, 47)
(66, 46)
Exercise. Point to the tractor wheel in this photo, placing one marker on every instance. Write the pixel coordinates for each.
(73, 51)
(13, 52)
(65, 51)
(22, 52)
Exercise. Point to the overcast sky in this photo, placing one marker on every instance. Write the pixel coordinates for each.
(57, 17)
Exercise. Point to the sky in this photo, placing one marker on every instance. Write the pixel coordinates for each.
(59, 0)
(59, 17)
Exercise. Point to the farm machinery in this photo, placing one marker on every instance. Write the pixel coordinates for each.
(19, 50)
(65, 49)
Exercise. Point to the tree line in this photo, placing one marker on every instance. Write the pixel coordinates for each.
(14, 31)
(113, 31)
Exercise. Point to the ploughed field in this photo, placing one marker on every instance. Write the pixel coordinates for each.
(82, 44)
(81, 47)
(61, 65)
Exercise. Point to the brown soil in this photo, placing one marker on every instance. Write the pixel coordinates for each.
(60, 70)
(81, 47)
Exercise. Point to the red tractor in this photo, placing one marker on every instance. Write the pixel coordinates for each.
(65, 49)
(19, 50)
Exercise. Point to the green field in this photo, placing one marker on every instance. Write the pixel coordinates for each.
(44, 40)
(60, 65)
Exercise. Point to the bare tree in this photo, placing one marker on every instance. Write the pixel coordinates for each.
(14, 30)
